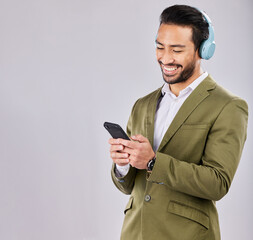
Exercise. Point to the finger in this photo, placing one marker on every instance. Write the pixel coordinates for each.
(130, 151)
(118, 155)
(128, 143)
(139, 138)
(115, 148)
(114, 141)
(121, 162)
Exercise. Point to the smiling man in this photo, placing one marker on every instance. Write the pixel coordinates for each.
(186, 139)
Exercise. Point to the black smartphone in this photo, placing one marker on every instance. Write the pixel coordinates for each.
(115, 130)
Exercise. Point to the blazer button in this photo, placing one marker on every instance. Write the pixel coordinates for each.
(147, 198)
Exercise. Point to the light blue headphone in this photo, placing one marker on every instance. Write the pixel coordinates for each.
(207, 47)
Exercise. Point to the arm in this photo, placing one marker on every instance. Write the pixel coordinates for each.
(125, 183)
(212, 179)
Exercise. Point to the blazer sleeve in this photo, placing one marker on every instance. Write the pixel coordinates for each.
(212, 178)
(125, 184)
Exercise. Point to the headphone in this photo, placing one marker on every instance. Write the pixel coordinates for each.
(207, 47)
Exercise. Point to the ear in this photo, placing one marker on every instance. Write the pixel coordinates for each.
(197, 55)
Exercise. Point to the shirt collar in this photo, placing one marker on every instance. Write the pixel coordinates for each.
(191, 87)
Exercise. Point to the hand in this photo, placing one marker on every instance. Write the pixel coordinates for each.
(140, 152)
(118, 156)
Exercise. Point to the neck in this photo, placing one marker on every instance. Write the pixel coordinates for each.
(177, 87)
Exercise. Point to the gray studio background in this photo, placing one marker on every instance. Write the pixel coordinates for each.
(65, 68)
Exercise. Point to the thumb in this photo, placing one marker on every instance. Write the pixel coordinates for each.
(139, 138)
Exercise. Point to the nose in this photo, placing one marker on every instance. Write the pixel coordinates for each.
(166, 57)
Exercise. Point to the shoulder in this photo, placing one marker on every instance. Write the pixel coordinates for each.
(222, 96)
(142, 107)
(147, 99)
(146, 104)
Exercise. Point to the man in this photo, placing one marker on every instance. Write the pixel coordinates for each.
(187, 139)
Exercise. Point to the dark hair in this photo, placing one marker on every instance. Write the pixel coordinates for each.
(187, 16)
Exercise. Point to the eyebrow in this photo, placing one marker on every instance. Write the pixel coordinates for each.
(173, 45)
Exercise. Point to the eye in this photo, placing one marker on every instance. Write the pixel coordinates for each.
(159, 48)
(179, 51)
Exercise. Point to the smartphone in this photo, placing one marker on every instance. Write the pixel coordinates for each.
(115, 130)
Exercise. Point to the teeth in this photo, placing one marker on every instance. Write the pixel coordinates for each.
(170, 69)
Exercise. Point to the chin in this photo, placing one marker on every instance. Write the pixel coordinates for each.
(174, 80)
(169, 80)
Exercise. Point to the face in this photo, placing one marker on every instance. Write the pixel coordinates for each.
(176, 54)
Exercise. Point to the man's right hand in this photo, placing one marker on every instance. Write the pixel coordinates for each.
(118, 155)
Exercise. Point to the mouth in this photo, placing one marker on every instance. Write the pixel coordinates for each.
(170, 70)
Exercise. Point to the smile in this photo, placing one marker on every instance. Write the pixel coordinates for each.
(169, 70)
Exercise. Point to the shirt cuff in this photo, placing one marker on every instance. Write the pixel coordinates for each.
(121, 171)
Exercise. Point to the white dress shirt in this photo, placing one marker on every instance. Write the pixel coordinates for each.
(165, 113)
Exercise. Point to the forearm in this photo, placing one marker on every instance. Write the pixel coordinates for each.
(195, 180)
(124, 184)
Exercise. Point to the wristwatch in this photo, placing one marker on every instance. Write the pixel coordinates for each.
(151, 164)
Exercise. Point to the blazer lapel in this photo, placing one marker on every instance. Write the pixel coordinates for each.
(150, 118)
(195, 98)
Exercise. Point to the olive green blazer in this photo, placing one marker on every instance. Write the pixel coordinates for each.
(195, 164)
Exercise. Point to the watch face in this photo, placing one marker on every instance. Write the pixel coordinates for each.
(151, 164)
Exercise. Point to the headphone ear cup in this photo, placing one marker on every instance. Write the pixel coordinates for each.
(207, 49)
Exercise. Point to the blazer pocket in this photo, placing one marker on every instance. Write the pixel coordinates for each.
(188, 212)
(129, 205)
